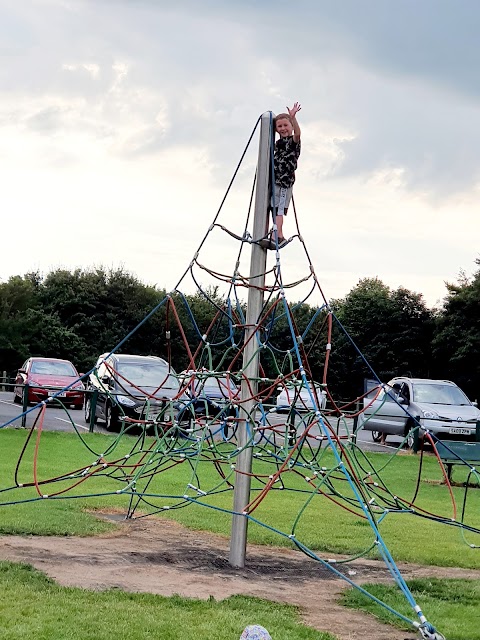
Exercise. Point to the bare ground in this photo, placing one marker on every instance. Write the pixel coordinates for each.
(161, 556)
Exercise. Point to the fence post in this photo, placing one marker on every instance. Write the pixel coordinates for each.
(24, 405)
(93, 407)
(358, 406)
(291, 426)
(416, 435)
(4, 381)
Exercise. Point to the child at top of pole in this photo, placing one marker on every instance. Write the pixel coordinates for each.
(285, 159)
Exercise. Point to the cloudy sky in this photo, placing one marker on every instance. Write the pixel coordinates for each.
(122, 122)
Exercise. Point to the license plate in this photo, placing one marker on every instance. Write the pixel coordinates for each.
(460, 431)
(153, 414)
(60, 395)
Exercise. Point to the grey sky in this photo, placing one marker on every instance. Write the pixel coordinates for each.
(118, 110)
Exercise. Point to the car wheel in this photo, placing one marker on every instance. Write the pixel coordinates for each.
(111, 422)
(88, 412)
(377, 436)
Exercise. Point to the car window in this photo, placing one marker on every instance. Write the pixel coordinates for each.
(439, 394)
(51, 368)
(405, 392)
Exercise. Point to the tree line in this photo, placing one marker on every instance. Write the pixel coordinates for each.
(81, 314)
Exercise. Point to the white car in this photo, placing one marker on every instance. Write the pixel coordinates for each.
(404, 403)
(297, 395)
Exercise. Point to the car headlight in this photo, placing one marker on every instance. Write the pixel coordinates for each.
(126, 401)
(431, 414)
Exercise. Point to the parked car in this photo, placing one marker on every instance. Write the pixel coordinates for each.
(211, 395)
(139, 387)
(440, 406)
(45, 377)
(297, 395)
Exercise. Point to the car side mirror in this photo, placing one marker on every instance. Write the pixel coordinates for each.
(475, 403)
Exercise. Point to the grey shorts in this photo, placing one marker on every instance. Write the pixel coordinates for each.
(281, 199)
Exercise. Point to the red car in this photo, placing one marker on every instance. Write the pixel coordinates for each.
(45, 377)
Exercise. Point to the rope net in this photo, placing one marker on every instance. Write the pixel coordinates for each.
(305, 442)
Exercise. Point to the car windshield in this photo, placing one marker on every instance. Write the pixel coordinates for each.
(216, 384)
(52, 368)
(439, 394)
(148, 375)
(212, 386)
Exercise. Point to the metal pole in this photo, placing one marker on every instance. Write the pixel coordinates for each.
(258, 262)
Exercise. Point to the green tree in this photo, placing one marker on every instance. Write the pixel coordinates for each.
(102, 307)
(380, 332)
(18, 296)
(82, 313)
(456, 343)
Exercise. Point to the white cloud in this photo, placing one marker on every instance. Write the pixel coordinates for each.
(129, 119)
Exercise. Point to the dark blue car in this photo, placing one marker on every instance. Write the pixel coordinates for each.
(212, 397)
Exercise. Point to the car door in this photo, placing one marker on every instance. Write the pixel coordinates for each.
(101, 385)
(387, 413)
(21, 379)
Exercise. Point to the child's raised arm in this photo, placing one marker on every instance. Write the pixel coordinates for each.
(293, 113)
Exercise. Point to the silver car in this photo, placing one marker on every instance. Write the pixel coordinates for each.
(404, 403)
(295, 394)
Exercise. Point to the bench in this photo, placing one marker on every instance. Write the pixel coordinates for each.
(454, 452)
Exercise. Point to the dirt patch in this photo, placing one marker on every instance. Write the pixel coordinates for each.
(160, 556)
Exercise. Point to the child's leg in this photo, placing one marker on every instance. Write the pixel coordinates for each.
(279, 221)
(282, 200)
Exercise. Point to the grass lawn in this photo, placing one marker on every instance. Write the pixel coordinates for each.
(317, 521)
(452, 604)
(33, 607)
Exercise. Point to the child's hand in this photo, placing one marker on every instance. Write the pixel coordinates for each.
(294, 110)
